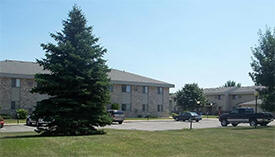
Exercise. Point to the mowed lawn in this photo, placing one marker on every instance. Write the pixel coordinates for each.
(239, 141)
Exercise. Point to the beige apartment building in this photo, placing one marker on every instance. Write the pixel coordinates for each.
(224, 99)
(227, 98)
(137, 95)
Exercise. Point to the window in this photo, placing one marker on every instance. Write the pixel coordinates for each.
(234, 97)
(219, 97)
(143, 107)
(126, 88)
(126, 107)
(145, 89)
(15, 82)
(160, 108)
(160, 90)
(13, 105)
(30, 83)
(123, 107)
(111, 88)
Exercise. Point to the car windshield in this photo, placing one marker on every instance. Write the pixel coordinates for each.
(118, 112)
(193, 113)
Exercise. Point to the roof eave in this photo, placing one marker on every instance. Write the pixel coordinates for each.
(142, 83)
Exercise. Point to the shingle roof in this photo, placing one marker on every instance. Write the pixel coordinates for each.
(232, 90)
(253, 102)
(20, 67)
(220, 90)
(24, 69)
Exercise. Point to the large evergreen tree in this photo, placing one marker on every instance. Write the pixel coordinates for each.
(190, 97)
(263, 65)
(77, 82)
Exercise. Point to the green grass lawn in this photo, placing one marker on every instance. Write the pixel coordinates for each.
(209, 116)
(216, 142)
(9, 121)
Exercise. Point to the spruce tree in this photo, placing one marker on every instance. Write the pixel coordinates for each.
(77, 82)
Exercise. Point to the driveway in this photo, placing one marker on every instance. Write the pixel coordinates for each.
(151, 125)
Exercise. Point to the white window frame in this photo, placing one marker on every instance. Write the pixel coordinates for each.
(145, 89)
(160, 90)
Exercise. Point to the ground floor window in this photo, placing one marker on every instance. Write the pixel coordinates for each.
(160, 108)
(13, 105)
(126, 107)
(145, 107)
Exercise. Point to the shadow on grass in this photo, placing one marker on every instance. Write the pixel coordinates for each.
(101, 132)
(251, 128)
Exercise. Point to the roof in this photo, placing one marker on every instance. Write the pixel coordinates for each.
(23, 69)
(220, 90)
(246, 90)
(11, 68)
(122, 77)
(251, 103)
(232, 90)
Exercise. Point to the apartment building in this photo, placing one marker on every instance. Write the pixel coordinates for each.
(137, 95)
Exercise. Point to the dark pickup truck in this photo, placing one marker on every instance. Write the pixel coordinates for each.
(245, 115)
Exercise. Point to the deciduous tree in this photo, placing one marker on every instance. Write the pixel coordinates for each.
(263, 65)
(190, 97)
(230, 83)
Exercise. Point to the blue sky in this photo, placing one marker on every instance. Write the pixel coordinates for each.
(178, 41)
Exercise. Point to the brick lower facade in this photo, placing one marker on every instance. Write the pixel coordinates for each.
(156, 104)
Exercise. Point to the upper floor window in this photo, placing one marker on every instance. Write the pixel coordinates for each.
(219, 97)
(126, 88)
(145, 89)
(15, 82)
(160, 90)
(234, 97)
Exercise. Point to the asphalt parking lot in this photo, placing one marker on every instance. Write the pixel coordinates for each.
(151, 125)
(159, 125)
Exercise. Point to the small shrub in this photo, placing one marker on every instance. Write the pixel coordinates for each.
(150, 116)
(139, 116)
(6, 116)
(115, 106)
(174, 115)
(1, 118)
(21, 113)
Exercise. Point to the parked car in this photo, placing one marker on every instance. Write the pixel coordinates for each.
(2, 123)
(117, 115)
(245, 115)
(31, 121)
(187, 116)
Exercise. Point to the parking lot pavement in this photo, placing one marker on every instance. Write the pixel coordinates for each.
(17, 128)
(159, 125)
(150, 125)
